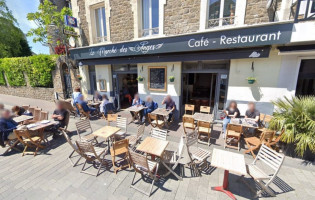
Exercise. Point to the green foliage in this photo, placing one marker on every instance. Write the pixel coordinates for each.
(13, 42)
(49, 21)
(13, 69)
(39, 71)
(297, 117)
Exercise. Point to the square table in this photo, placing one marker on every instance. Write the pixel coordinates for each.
(22, 118)
(163, 112)
(41, 126)
(136, 110)
(203, 117)
(230, 162)
(106, 132)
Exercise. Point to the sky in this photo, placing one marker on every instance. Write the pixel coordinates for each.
(19, 9)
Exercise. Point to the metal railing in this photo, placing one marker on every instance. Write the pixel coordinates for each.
(224, 21)
(150, 31)
(303, 10)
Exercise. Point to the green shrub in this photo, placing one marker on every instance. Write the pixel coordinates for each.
(13, 68)
(2, 80)
(40, 70)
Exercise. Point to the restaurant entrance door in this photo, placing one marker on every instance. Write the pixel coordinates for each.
(125, 84)
(204, 83)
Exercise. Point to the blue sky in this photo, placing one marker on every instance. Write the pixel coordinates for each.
(19, 9)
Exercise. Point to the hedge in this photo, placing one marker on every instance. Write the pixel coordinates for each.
(38, 69)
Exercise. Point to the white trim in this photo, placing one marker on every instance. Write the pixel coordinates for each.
(301, 52)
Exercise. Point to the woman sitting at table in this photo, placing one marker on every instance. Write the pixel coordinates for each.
(18, 111)
(169, 105)
(230, 112)
(150, 105)
(137, 102)
(97, 96)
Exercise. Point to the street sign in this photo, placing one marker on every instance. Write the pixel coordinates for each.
(71, 21)
(67, 32)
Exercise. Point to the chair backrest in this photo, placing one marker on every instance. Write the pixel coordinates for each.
(67, 118)
(26, 107)
(205, 109)
(270, 158)
(120, 145)
(267, 136)
(180, 147)
(83, 126)
(37, 113)
(262, 117)
(152, 117)
(68, 106)
(80, 109)
(159, 134)
(121, 123)
(191, 139)
(190, 108)
(268, 118)
(189, 120)
(23, 134)
(43, 115)
(138, 161)
(85, 148)
(32, 110)
(140, 131)
(204, 125)
(234, 127)
(111, 118)
(69, 141)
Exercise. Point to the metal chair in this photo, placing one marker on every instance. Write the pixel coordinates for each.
(135, 139)
(159, 134)
(85, 126)
(145, 167)
(92, 155)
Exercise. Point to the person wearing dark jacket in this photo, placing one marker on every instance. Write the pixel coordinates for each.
(18, 111)
(7, 125)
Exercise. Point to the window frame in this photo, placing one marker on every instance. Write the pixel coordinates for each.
(103, 36)
(150, 34)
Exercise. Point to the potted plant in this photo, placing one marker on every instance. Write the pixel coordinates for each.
(79, 77)
(172, 78)
(140, 78)
(251, 80)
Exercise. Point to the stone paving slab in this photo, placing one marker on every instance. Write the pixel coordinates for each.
(50, 175)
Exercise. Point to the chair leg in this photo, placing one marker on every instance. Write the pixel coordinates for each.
(25, 148)
(264, 188)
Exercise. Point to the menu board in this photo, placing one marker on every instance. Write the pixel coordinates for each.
(157, 78)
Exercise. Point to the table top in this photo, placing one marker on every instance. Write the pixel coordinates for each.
(161, 111)
(244, 122)
(234, 162)
(153, 146)
(39, 125)
(94, 104)
(22, 118)
(136, 108)
(203, 117)
(106, 131)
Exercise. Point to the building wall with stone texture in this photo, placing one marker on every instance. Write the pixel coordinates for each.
(83, 24)
(257, 13)
(121, 21)
(29, 92)
(181, 16)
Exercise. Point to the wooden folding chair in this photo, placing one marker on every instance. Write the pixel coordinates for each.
(67, 119)
(204, 131)
(198, 157)
(273, 144)
(75, 149)
(188, 123)
(83, 114)
(32, 110)
(85, 126)
(146, 168)
(205, 109)
(29, 141)
(93, 155)
(36, 114)
(266, 172)
(122, 124)
(254, 143)
(135, 139)
(155, 121)
(111, 118)
(43, 115)
(233, 136)
(189, 110)
(69, 107)
(159, 134)
(120, 148)
(267, 120)
(12, 145)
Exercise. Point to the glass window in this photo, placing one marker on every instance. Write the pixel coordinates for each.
(100, 23)
(306, 78)
(221, 12)
(150, 17)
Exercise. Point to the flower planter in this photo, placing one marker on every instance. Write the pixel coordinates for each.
(140, 79)
(172, 80)
(251, 81)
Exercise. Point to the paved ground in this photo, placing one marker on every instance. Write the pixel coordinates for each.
(49, 175)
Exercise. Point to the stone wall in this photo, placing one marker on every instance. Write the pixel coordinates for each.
(181, 16)
(121, 21)
(29, 92)
(84, 35)
(256, 12)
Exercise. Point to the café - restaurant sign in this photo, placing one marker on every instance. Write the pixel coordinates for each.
(245, 37)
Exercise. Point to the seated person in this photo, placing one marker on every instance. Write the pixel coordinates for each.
(230, 112)
(106, 107)
(150, 104)
(76, 95)
(18, 111)
(7, 125)
(85, 106)
(59, 115)
(252, 113)
(169, 105)
(137, 102)
(97, 96)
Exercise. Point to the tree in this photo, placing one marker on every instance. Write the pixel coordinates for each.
(49, 23)
(13, 42)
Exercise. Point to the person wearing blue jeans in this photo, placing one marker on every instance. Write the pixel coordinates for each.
(230, 112)
(85, 107)
(150, 104)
